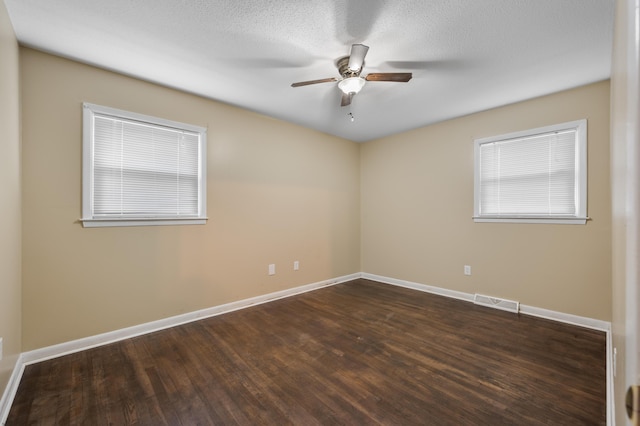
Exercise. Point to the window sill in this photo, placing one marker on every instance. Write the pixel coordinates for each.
(111, 222)
(532, 219)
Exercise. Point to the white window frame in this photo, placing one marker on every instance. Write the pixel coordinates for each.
(89, 219)
(580, 126)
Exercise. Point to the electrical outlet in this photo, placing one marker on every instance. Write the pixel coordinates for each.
(0, 348)
(296, 265)
(467, 269)
(272, 269)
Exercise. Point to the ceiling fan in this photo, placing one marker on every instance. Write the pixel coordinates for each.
(350, 82)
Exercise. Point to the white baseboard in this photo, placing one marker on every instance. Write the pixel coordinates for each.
(73, 346)
(566, 318)
(524, 309)
(591, 323)
(467, 297)
(11, 389)
(66, 348)
(78, 345)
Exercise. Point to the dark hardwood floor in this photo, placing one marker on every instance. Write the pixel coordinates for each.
(355, 354)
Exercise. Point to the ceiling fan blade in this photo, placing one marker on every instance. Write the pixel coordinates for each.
(400, 77)
(356, 58)
(346, 99)
(306, 83)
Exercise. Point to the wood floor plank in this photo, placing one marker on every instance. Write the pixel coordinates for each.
(355, 353)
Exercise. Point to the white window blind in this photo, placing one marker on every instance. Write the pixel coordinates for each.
(141, 170)
(537, 175)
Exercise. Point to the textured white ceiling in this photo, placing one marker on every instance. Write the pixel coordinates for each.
(465, 55)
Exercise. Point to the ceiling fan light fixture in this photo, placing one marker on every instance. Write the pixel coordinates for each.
(351, 85)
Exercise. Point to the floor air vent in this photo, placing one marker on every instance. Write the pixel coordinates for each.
(497, 303)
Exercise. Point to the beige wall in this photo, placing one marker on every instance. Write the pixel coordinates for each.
(276, 193)
(399, 207)
(10, 305)
(417, 207)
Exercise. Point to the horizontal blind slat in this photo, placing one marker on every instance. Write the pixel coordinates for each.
(533, 175)
(142, 169)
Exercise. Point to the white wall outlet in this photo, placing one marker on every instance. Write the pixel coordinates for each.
(296, 265)
(0, 348)
(272, 269)
(467, 269)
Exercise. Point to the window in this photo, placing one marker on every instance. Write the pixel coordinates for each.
(140, 170)
(535, 176)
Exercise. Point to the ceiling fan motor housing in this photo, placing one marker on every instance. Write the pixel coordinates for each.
(344, 70)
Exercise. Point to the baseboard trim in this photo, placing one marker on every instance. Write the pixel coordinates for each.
(467, 297)
(10, 391)
(566, 318)
(586, 322)
(524, 309)
(73, 346)
(78, 345)
(66, 348)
